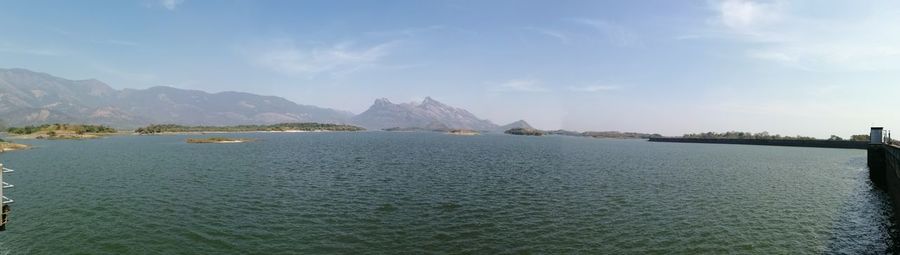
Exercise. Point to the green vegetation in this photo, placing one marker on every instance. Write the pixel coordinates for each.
(416, 129)
(463, 132)
(524, 131)
(172, 128)
(218, 140)
(746, 135)
(61, 131)
(619, 135)
(859, 138)
(61, 128)
(564, 132)
(603, 134)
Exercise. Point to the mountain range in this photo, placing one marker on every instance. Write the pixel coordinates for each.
(30, 98)
(384, 114)
(518, 124)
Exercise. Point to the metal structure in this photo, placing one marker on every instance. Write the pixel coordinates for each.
(876, 136)
(4, 212)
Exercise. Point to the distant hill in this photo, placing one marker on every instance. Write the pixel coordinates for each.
(518, 124)
(524, 131)
(429, 113)
(32, 98)
(603, 134)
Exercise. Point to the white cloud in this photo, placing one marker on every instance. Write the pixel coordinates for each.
(521, 85)
(171, 4)
(861, 38)
(616, 34)
(594, 88)
(746, 16)
(287, 57)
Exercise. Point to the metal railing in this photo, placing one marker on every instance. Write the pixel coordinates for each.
(4, 201)
(886, 138)
(5, 185)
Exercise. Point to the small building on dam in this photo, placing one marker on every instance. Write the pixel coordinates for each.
(884, 164)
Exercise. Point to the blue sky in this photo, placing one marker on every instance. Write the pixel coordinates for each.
(791, 67)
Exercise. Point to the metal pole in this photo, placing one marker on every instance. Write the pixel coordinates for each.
(1, 183)
(3, 207)
(2, 198)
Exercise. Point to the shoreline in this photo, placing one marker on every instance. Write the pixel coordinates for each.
(238, 132)
(8, 146)
(219, 140)
(770, 142)
(63, 137)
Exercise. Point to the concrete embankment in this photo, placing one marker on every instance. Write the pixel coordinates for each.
(794, 143)
(884, 171)
(882, 161)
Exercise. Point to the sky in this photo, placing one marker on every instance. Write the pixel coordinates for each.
(805, 67)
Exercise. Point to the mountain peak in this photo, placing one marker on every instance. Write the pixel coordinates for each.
(383, 101)
(428, 101)
(428, 113)
(516, 124)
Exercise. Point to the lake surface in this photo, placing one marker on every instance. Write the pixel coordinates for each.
(413, 193)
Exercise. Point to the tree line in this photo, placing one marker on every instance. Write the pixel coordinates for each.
(745, 135)
(75, 128)
(307, 126)
(767, 136)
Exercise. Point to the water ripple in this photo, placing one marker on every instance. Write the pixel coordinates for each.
(416, 193)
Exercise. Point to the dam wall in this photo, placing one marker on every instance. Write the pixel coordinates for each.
(876, 159)
(884, 165)
(794, 143)
(884, 170)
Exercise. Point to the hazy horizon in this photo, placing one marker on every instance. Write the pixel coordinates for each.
(793, 68)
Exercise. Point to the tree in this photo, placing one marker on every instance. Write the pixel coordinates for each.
(859, 138)
(835, 138)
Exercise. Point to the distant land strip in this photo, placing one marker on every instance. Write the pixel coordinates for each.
(283, 127)
(844, 144)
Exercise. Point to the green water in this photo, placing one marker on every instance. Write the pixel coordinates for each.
(413, 193)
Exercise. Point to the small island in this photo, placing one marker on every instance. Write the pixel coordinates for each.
(524, 131)
(412, 129)
(434, 126)
(463, 132)
(61, 131)
(283, 127)
(219, 140)
(9, 146)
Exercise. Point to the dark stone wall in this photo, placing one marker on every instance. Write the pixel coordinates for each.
(794, 143)
(877, 165)
(884, 171)
(890, 172)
